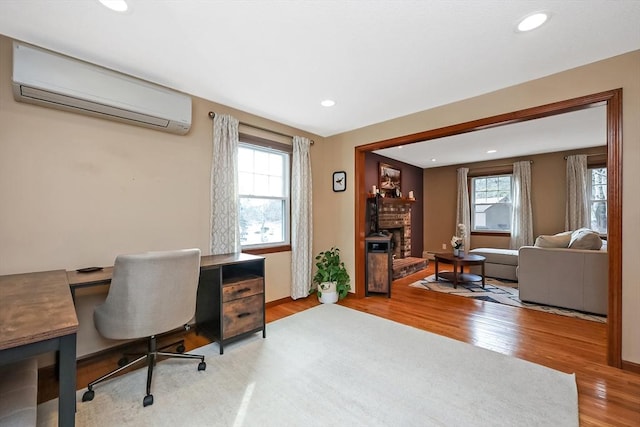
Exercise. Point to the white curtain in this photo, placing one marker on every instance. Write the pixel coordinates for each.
(301, 219)
(521, 217)
(225, 229)
(577, 211)
(463, 212)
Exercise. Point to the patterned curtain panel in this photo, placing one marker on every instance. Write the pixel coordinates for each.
(577, 211)
(463, 212)
(521, 217)
(225, 229)
(301, 219)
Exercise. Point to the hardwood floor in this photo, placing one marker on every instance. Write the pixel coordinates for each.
(607, 396)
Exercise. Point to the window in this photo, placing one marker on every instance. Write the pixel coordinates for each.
(491, 203)
(263, 187)
(598, 199)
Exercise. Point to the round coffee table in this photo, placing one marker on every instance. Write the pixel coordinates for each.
(459, 262)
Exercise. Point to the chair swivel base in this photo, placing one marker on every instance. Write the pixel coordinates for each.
(150, 357)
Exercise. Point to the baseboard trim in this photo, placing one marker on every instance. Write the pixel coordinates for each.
(278, 302)
(631, 366)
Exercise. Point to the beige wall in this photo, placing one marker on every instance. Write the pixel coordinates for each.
(548, 183)
(76, 191)
(334, 218)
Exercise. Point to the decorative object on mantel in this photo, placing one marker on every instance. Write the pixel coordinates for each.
(331, 277)
(411, 195)
(457, 241)
(339, 181)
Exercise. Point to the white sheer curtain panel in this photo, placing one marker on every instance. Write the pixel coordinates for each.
(463, 212)
(521, 217)
(301, 219)
(577, 211)
(225, 229)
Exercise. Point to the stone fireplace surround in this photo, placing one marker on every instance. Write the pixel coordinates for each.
(394, 216)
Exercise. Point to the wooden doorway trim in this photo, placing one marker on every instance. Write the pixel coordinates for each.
(613, 101)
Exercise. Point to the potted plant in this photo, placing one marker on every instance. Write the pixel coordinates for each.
(331, 277)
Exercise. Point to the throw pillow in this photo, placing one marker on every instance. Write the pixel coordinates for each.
(560, 240)
(585, 239)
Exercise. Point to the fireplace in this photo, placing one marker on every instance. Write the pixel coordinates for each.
(394, 217)
(400, 241)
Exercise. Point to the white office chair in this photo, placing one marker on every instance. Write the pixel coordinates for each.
(150, 294)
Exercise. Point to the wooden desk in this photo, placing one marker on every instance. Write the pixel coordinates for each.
(37, 316)
(231, 298)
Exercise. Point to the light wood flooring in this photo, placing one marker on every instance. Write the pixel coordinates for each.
(607, 396)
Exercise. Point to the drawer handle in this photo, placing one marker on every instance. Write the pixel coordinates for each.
(244, 290)
(241, 315)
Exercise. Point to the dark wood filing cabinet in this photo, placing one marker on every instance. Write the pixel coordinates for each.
(231, 297)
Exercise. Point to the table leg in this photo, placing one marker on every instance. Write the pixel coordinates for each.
(67, 383)
(455, 275)
(483, 275)
(437, 269)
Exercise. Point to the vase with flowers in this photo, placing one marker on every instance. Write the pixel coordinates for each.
(457, 241)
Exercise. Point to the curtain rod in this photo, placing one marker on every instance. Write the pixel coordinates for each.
(589, 155)
(497, 166)
(212, 115)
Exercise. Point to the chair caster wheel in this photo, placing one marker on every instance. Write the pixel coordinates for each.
(202, 366)
(122, 362)
(148, 400)
(88, 396)
(180, 348)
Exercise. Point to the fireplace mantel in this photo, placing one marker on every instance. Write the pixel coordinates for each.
(396, 200)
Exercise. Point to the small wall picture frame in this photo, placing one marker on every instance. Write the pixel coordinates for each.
(339, 181)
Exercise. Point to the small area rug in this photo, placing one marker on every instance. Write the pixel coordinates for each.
(498, 292)
(334, 366)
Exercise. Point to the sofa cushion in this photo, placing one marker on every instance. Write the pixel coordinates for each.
(498, 256)
(560, 240)
(584, 238)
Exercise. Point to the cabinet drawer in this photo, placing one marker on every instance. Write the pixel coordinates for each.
(242, 315)
(240, 288)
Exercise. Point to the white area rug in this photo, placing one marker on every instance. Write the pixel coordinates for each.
(498, 292)
(333, 366)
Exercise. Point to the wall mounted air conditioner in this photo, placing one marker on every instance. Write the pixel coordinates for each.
(53, 80)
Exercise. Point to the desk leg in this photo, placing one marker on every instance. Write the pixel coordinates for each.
(67, 383)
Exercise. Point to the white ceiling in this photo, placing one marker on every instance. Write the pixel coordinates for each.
(377, 59)
(563, 132)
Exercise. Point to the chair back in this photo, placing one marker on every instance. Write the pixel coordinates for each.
(150, 293)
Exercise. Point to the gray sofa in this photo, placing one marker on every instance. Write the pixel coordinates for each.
(570, 278)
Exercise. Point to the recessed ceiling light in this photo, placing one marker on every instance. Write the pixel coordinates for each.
(433, 160)
(533, 21)
(117, 5)
(328, 103)
(491, 151)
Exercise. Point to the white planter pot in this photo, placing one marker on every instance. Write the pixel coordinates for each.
(328, 297)
(328, 293)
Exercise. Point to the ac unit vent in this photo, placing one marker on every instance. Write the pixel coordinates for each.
(52, 80)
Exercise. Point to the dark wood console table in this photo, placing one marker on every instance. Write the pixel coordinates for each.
(459, 262)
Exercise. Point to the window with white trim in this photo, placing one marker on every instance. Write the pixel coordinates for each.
(491, 203)
(598, 199)
(263, 187)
